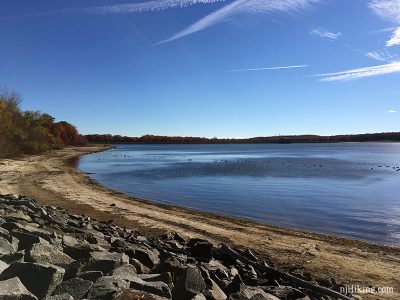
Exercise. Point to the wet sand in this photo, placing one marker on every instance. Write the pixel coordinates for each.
(52, 179)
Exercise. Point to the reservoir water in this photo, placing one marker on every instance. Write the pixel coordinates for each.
(345, 189)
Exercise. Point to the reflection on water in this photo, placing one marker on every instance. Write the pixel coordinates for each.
(347, 189)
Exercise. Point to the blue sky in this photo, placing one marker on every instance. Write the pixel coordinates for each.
(206, 67)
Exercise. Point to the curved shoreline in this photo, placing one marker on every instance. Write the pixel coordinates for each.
(53, 180)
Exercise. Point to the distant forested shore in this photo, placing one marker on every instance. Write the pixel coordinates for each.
(32, 132)
(154, 139)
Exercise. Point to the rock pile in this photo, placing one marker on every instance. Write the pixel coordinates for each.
(46, 253)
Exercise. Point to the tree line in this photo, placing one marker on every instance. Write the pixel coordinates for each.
(155, 139)
(31, 132)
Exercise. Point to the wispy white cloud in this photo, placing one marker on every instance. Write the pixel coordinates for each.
(240, 7)
(156, 5)
(362, 72)
(130, 8)
(266, 68)
(389, 29)
(388, 10)
(392, 111)
(375, 55)
(325, 34)
(382, 55)
(395, 39)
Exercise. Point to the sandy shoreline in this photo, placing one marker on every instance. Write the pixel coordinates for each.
(52, 180)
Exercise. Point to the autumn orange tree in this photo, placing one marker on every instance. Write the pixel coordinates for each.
(30, 132)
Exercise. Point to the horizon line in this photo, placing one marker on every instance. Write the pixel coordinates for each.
(252, 137)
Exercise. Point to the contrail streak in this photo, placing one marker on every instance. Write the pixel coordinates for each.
(266, 68)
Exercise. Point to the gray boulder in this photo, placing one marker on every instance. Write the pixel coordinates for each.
(170, 263)
(189, 283)
(3, 266)
(4, 233)
(217, 268)
(140, 268)
(22, 226)
(125, 272)
(164, 277)
(13, 289)
(30, 228)
(213, 291)
(132, 294)
(6, 247)
(27, 240)
(200, 248)
(80, 251)
(18, 216)
(39, 279)
(149, 257)
(157, 288)
(47, 254)
(105, 261)
(248, 292)
(69, 241)
(76, 287)
(90, 275)
(74, 268)
(105, 287)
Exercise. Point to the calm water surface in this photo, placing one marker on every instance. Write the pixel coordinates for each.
(346, 189)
